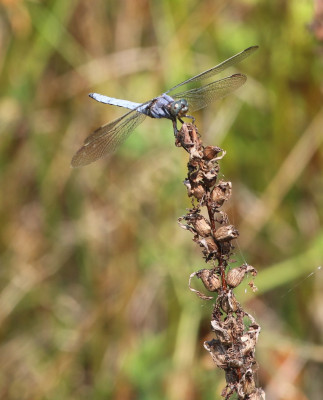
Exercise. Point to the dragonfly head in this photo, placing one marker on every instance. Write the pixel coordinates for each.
(179, 108)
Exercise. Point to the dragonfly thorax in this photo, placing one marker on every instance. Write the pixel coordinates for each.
(178, 108)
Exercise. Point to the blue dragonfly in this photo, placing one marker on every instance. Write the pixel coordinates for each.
(107, 138)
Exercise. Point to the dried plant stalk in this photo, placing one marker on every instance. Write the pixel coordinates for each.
(233, 346)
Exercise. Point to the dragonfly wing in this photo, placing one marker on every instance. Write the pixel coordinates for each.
(200, 97)
(106, 139)
(219, 68)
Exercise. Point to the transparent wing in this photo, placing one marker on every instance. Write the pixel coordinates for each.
(107, 138)
(218, 68)
(200, 97)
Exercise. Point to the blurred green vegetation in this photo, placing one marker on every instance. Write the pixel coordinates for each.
(94, 302)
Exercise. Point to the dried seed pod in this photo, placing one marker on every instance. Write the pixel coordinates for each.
(194, 189)
(196, 223)
(226, 248)
(249, 342)
(235, 276)
(231, 325)
(229, 303)
(210, 280)
(222, 218)
(249, 339)
(202, 226)
(210, 152)
(194, 135)
(210, 176)
(221, 332)
(196, 175)
(188, 138)
(197, 190)
(217, 351)
(209, 244)
(225, 233)
(198, 293)
(221, 193)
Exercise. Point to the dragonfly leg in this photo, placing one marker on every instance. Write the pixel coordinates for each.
(175, 127)
(187, 116)
(191, 117)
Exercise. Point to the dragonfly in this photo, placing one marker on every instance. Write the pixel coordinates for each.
(108, 137)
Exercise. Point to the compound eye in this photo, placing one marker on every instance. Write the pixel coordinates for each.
(175, 108)
(184, 106)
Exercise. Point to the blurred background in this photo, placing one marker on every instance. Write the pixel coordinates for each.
(94, 298)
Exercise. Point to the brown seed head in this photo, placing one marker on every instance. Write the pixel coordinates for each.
(209, 244)
(221, 193)
(197, 190)
(210, 177)
(202, 226)
(210, 280)
(225, 233)
(210, 152)
(235, 276)
(229, 303)
(217, 351)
